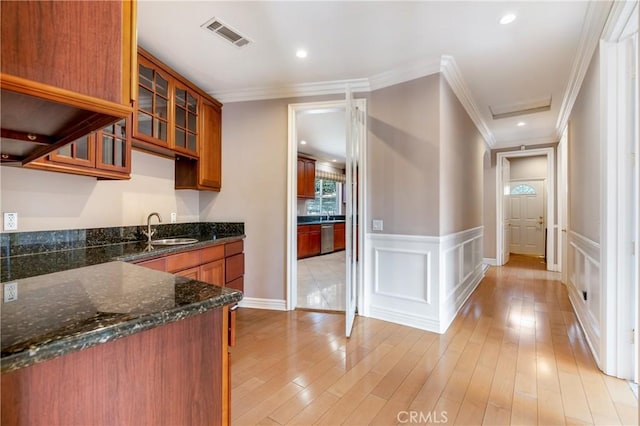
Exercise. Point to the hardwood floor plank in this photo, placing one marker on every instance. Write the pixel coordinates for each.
(259, 411)
(315, 410)
(366, 411)
(515, 354)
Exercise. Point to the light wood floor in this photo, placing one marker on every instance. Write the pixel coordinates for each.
(515, 355)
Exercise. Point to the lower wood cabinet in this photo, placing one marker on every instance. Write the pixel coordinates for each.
(309, 238)
(213, 272)
(173, 374)
(338, 236)
(221, 265)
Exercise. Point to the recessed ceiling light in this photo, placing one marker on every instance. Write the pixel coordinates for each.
(521, 123)
(507, 19)
(303, 142)
(334, 160)
(301, 53)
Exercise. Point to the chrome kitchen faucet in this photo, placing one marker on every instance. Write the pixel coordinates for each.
(149, 232)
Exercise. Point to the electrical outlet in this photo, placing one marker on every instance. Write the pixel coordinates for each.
(377, 225)
(11, 221)
(174, 217)
(10, 292)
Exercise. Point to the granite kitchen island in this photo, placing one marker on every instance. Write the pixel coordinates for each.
(116, 343)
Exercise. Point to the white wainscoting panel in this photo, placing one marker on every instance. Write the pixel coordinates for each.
(584, 276)
(401, 283)
(421, 281)
(461, 261)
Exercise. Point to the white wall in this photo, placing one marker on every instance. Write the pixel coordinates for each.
(49, 200)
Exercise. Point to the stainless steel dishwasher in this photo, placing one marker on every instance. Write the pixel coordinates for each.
(326, 238)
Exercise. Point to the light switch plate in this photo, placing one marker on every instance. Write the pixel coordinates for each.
(10, 292)
(377, 225)
(174, 217)
(10, 222)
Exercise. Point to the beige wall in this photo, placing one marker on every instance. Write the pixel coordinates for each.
(461, 161)
(48, 201)
(403, 157)
(254, 188)
(584, 156)
(529, 167)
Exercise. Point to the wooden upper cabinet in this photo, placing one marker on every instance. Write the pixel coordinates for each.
(151, 119)
(104, 154)
(205, 173)
(182, 122)
(66, 71)
(306, 178)
(185, 119)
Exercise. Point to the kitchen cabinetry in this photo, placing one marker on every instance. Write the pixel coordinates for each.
(221, 265)
(66, 71)
(158, 375)
(205, 172)
(151, 119)
(103, 154)
(306, 178)
(338, 236)
(175, 118)
(309, 238)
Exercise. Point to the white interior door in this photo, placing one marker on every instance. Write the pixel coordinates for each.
(526, 202)
(351, 216)
(506, 209)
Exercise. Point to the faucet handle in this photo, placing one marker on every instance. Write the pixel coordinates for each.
(149, 234)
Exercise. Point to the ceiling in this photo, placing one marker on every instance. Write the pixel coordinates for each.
(372, 44)
(323, 131)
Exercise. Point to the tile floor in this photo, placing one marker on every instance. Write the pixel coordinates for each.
(321, 282)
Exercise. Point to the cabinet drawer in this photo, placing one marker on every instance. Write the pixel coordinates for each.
(210, 254)
(234, 267)
(178, 262)
(237, 284)
(233, 248)
(157, 264)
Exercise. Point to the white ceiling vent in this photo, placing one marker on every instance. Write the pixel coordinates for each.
(223, 30)
(521, 108)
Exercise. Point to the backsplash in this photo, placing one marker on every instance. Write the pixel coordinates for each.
(305, 219)
(19, 243)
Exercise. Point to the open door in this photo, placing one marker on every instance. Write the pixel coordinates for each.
(506, 210)
(351, 217)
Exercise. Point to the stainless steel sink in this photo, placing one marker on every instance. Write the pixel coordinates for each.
(173, 241)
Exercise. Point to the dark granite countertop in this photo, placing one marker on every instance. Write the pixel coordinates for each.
(72, 310)
(30, 265)
(320, 222)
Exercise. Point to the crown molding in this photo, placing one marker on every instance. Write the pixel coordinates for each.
(402, 74)
(357, 85)
(621, 13)
(452, 74)
(595, 19)
(529, 143)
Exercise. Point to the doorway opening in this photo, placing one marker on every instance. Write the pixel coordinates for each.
(525, 206)
(323, 215)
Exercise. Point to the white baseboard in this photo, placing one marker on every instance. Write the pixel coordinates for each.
(258, 303)
(405, 318)
(490, 261)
